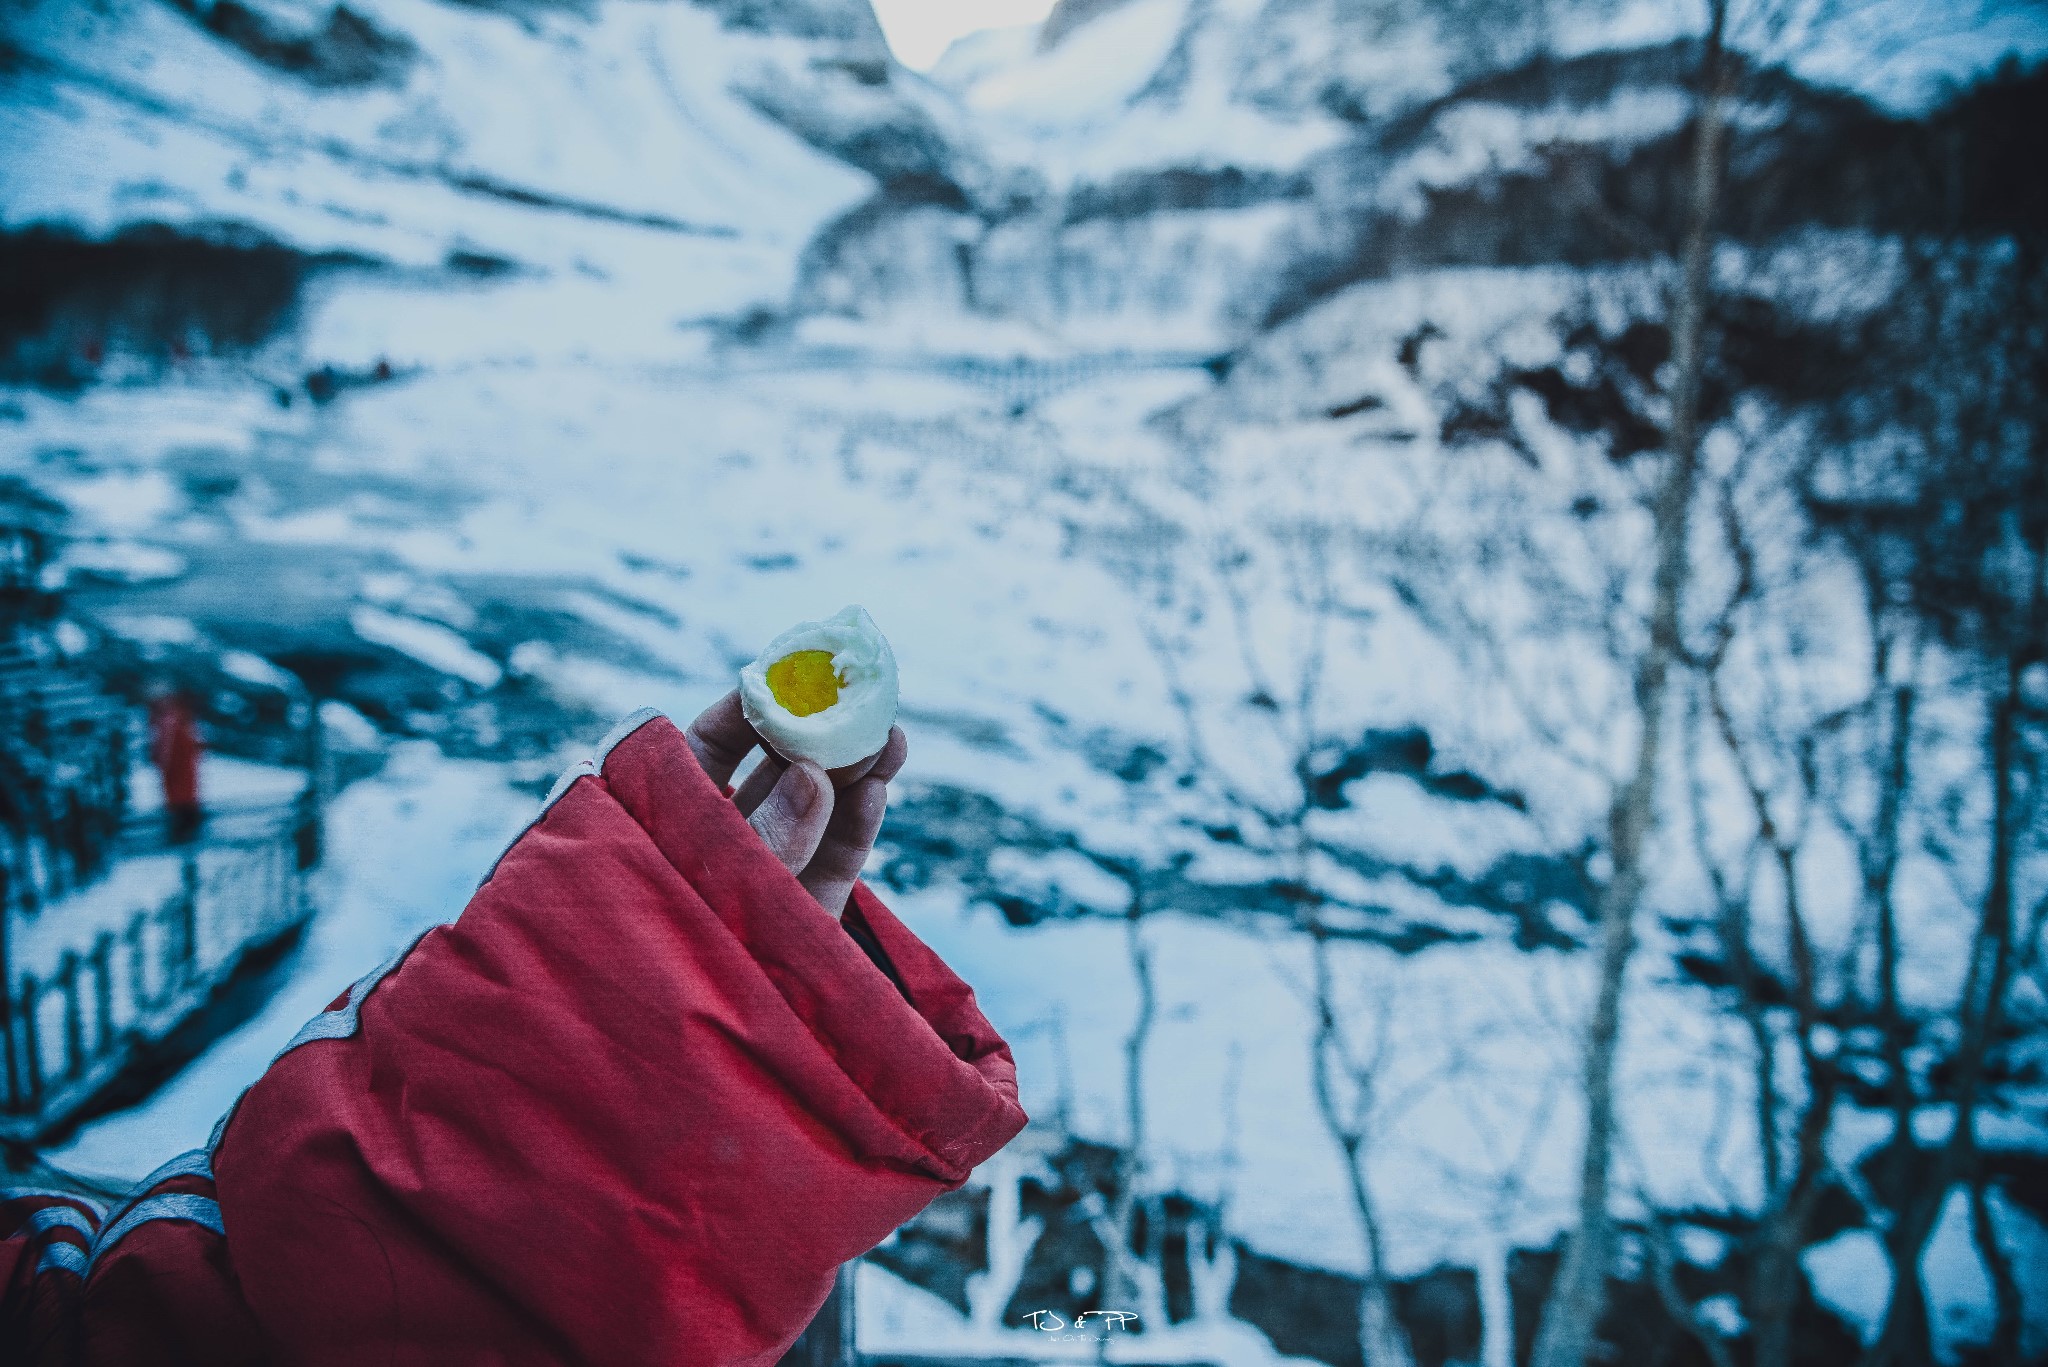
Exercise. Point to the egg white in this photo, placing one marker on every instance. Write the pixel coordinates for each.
(854, 727)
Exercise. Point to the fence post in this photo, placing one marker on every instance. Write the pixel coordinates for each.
(35, 883)
(9, 1068)
(74, 1028)
(306, 833)
(12, 1098)
(32, 1048)
(187, 947)
(117, 749)
(138, 976)
(283, 873)
(103, 991)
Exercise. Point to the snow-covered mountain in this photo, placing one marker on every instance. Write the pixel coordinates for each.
(687, 150)
(1141, 182)
(1129, 89)
(1189, 172)
(426, 129)
(1130, 174)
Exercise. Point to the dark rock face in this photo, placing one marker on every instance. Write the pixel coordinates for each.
(1148, 192)
(844, 97)
(896, 144)
(66, 302)
(1822, 159)
(348, 50)
(1608, 382)
(1609, 188)
(844, 20)
(872, 251)
(527, 11)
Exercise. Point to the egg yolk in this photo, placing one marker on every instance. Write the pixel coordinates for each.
(804, 682)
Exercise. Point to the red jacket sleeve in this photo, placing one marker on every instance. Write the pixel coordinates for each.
(634, 1106)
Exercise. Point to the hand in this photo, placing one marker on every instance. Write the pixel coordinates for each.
(820, 824)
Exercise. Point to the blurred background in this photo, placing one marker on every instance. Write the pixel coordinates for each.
(1471, 581)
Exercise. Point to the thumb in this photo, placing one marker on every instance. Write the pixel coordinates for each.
(791, 820)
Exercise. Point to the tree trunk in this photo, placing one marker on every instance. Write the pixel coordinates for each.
(1382, 1340)
(1579, 1296)
(1124, 1285)
(2005, 1287)
(1904, 1338)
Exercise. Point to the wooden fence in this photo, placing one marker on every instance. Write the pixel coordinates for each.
(72, 1032)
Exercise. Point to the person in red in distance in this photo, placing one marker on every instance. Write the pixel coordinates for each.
(672, 1065)
(174, 749)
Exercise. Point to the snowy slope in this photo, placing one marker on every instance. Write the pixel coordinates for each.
(605, 143)
(1139, 86)
(1191, 162)
(983, 53)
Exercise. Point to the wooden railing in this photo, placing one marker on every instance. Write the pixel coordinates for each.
(67, 1034)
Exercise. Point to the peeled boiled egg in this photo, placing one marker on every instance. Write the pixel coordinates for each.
(824, 691)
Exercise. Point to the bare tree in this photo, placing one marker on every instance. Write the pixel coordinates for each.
(1274, 802)
(1772, 743)
(1383, 1341)
(1578, 1298)
(1337, 1067)
(1972, 400)
(1134, 1279)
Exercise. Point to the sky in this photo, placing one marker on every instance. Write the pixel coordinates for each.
(920, 31)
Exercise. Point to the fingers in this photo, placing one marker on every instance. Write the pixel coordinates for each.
(792, 818)
(848, 775)
(754, 789)
(821, 826)
(883, 764)
(857, 812)
(722, 737)
(894, 752)
(847, 838)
